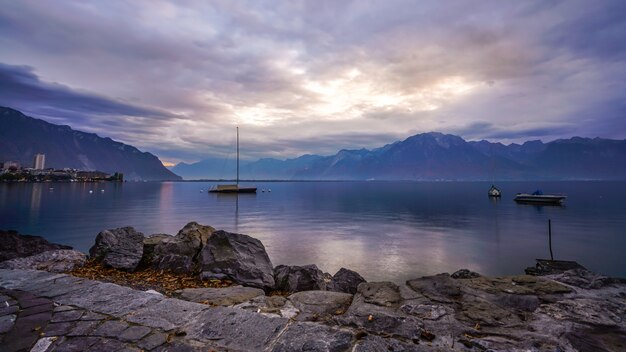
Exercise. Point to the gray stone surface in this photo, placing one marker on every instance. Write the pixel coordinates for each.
(120, 248)
(180, 253)
(7, 322)
(110, 328)
(134, 333)
(226, 296)
(56, 261)
(58, 329)
(237, 257)
(345, 280)
(166, 314)
(152, 341)
(314, 338)
(320, 305)
(70, 315)
(373, 343)
(464, 274)
(296, 278)
(235, 328)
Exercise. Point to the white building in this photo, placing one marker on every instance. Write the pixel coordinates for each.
(40, 161)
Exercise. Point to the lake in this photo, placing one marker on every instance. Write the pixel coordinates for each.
(384, 230)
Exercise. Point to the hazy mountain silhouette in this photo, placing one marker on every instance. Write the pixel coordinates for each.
(437, 156)
(21, 137)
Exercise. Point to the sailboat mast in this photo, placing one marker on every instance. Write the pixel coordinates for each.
(237, 155)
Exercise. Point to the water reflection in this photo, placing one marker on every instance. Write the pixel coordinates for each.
(392, 230)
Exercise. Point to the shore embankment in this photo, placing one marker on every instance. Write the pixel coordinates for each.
(209, 289)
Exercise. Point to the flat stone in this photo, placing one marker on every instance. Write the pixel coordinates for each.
(58, 329)
(70, 315)
(9, 310)
(74, 344)
(134, 333)
(6, 323)
(314, 305)
(235, 328)
(520, 285)
(313, 337)
(108, 298)
(56, 261)
(33, 302)
(83, 328)
(386, 294)
(166, 314)
(372, 343)
(226, 296)
(92, 316)
(110, 328)
(63, 308)
(152, 341)
(439, 288)
(43, 344)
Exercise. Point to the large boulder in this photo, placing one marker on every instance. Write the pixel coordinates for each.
(15, 245)
(345, 280)
(120, 248)
(56, 261)
(299, 278)
(236, 257)
(179, 253)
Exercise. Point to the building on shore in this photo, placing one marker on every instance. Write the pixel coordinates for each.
(39, 162)
(11, 165)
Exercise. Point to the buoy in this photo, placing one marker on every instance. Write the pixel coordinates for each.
(269, 190)
(102, 190)
(263, 190)
(90, 191)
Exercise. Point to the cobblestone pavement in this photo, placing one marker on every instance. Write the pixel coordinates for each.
(41, 311)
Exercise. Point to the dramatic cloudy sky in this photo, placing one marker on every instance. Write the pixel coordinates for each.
(174, 78)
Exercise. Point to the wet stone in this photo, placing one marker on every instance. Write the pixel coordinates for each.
(8, 310)
(6, 323)
(313, 337)
(63, 308)
(32, 302)
(58, 329)
(70, 315)
(83, 328)
(152, 341)
(108, 345)
(93, 316)
(43, 344)
(134, 333)
(37, 309)
(110, 328)
(74, 344)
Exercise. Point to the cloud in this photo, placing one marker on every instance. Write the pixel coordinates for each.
(314, 77)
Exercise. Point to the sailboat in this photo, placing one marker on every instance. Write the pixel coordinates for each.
(233, 188)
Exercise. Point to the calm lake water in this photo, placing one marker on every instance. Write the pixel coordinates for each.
(384, 230)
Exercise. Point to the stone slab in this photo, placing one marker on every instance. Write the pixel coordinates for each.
(166, 314)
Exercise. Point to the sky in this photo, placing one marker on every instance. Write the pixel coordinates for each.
(298, 77)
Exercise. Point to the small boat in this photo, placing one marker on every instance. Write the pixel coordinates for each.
(494, 192)
(537, 197)
(233, 188)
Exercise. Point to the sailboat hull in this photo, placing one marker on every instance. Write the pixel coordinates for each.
(232, 189)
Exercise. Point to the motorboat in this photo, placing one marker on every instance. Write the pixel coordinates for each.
(538, 197)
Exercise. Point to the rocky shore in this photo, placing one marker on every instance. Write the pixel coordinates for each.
(256, 306)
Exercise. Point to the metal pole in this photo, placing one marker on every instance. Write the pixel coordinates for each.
(237, 155)
(550, 237)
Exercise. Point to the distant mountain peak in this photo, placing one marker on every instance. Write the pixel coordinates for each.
(22, 135)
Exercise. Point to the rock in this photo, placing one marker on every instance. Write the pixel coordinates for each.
(345, 280)
(148, 248)
(385, 294)
(273, 306)
(320, 305)
(520, 284)
(464, 274)
(237, 257)
(586, 279)
(439, 288)
(56, 261)
(179, 253)
(120, 248)
(313, 338)
(15, 245)
(550, 267)
(373, 343)
(226, 296)
(299, 278)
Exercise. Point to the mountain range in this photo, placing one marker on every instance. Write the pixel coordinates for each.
(21, 137)
(437, 156)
